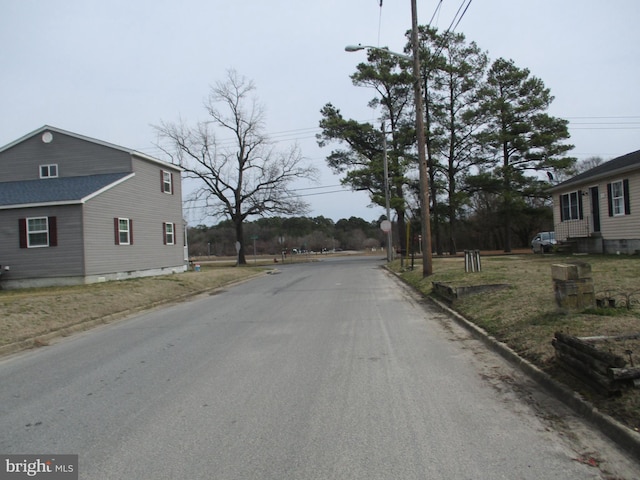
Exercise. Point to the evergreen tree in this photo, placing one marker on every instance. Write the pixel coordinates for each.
(522, 137)
(361, 162)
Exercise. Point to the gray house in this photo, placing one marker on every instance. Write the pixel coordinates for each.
(77, 210)
(598, 211)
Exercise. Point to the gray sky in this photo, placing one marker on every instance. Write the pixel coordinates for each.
(111, 69)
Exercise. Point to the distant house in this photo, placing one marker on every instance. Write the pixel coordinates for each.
(598, 211)
(77, 210)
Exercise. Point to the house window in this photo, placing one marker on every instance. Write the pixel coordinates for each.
(619, 198)
(167, 181)
(38, 232)
(168, 230)
(123, 231)
(571, 206)
(48, 171)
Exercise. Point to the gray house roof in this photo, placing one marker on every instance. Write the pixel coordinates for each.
(619, 165)
(57, 191)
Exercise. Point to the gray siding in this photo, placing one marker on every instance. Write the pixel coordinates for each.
(86, 249)
(140, 199)
(65, 259)
(74, 157)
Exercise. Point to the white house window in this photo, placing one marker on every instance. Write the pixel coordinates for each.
(37, 232)
(169, 233)
(167, 181)
(571, 206)
(48, 171)
(617, 198)
(123, 231)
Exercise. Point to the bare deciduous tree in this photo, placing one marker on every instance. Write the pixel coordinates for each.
(239, 177)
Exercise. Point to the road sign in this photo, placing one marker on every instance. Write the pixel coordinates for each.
(385, 226)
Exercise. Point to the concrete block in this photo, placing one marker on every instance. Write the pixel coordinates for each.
(571, 271)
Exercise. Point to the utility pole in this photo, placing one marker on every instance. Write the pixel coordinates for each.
(427, 260)
(387, 194)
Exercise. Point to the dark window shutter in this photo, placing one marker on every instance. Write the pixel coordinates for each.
(610, 199)
(627, 199)
(164, 233)
(116, 227)
(162, 181)
(53, 231)
(22, 227)
(130, 232)
(562, 208)
(172, 189)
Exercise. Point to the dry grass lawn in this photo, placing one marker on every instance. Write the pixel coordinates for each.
(28, 314)
(525, 316)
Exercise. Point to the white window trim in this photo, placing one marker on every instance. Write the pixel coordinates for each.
(37, 232)
(167, 182)
(570, 206)
(172, 234)
(127, 231)
(617, 202)
(48, 168)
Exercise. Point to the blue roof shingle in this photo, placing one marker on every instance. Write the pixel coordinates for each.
(54, 190)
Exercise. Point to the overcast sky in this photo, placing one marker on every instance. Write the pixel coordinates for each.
(111, 69)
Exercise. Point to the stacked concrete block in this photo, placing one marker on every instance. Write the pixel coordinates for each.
(573, 285)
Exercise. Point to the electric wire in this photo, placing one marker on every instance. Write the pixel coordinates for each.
(608, 122)
(435, 12)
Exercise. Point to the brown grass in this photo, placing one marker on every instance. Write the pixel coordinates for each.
(32, 313)
(525, 316)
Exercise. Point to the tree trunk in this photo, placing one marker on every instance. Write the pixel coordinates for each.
(437, 225)
(240, 239)
(507, 198)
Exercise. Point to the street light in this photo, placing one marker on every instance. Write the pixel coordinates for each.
(427, 260)
(355, 48)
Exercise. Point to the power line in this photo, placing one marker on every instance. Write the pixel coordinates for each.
(435, 12)
(465, 11)
(305, 133)
(195, 205)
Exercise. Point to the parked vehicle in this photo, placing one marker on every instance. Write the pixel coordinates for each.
(543, 242)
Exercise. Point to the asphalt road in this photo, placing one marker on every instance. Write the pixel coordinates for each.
(329, 370)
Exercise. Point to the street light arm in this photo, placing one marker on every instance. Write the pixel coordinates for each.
(356, 48)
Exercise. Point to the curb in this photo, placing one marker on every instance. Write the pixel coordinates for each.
(621, 435)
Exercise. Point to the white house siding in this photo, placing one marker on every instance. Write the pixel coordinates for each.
(140, 199)
(570, 228)
(620, 234)
(623, 226)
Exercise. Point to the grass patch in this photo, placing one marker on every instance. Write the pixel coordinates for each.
(525, 316)
(29, 313)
